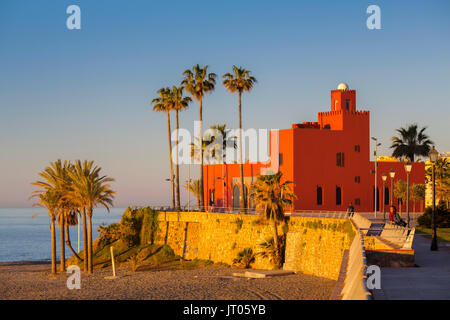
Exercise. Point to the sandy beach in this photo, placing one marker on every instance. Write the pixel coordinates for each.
(31, 280)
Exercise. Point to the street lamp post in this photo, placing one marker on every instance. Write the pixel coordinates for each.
(189, 182)
(408, 167)
(171, 179)
(433, 155)
(375, 191)
(392, 175)
(384, 177)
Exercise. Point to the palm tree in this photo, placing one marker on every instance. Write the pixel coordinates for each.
(49, 200)
(227, 142)
(272, 196)
(199, 82)
(400, 192)
(90, 189)
(161, 105)
(411, 142)
(177, 102)
(239, 81)
(442, 176)
(55, 179)
(417, 194)
(69, 212)
(193, 186)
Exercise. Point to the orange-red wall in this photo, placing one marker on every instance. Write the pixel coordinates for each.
(309, 160)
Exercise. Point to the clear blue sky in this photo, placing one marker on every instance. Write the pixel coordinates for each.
(85, 93)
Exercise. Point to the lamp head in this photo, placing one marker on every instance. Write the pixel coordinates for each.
(433, 155)
(408, 166)
(384, 176)
(392, 173)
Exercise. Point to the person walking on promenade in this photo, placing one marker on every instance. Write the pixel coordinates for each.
(350, 210)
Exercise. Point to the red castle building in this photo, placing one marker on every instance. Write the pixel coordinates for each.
(328, 162)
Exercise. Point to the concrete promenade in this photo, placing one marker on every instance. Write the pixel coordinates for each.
(429, 281)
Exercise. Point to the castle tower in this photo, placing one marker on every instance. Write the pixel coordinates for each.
(343, 99)
(342, 109)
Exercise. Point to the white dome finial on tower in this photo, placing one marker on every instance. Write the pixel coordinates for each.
(342, 86)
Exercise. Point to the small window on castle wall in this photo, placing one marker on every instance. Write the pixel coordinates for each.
(357, 202)
(338, 196)
(280, 159)
(319, 196)
(357, 179)
(340, 159)
(347, 104)
(357, 148)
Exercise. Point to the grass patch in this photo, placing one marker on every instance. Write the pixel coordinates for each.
(442, 233)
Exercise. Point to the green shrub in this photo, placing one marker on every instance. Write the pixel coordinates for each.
(268, 250)
(239, 222)
(348, 229)
(150, 226)
(258, 222)
(244, 258)
(108, 234)
(442, 217)
(133, 262)
(130, 228)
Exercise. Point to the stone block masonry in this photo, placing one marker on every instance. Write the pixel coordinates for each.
(313, 245)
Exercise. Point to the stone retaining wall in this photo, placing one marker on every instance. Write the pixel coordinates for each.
(313, 245)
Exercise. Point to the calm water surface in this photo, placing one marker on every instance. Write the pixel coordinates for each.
(23, 238)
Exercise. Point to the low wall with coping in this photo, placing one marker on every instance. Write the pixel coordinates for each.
(361, 223)
(354, 287)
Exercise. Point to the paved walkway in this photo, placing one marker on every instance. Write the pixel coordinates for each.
(429, 281)
(371, 216)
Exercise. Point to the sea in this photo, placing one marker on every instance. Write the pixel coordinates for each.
(25, 233)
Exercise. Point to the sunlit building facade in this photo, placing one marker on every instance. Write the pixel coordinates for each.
(328, 162)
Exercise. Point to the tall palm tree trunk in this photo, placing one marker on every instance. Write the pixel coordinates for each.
(90, 256)
(242, 200)
(202, 193)
(85, 241)
(226, 185)
(61, 239)
(171, 164)
(53, 245)
(177, 169)
(275, 241)
(69, 244)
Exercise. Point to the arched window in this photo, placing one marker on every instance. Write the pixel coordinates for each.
(319, 196)
(338, 196)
